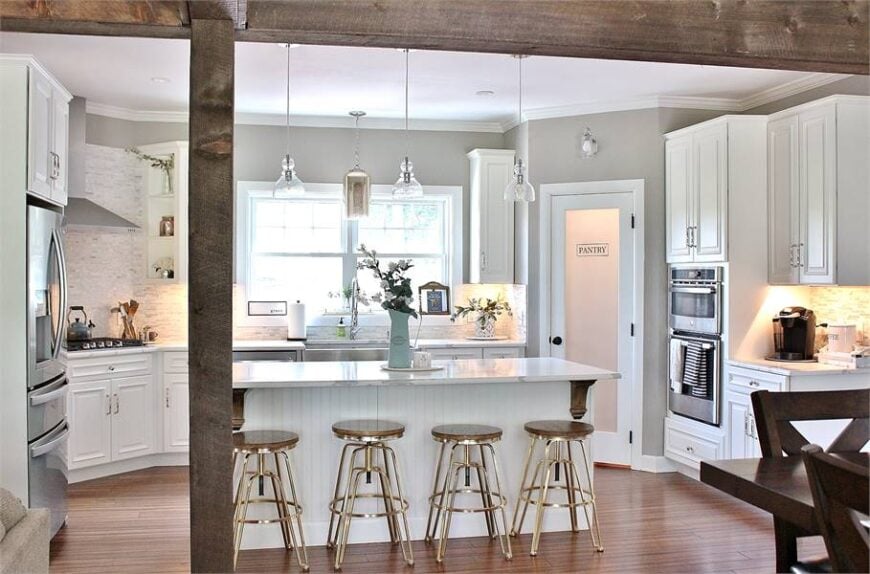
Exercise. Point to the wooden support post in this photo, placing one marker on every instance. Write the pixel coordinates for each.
(210, 298)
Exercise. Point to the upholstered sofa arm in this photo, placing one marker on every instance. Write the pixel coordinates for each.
(24, 549)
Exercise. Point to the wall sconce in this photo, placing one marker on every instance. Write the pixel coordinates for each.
(588, 145)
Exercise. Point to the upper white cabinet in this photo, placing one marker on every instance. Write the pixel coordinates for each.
(818, 193)
(697, 171)
(491, 245)
(46, 107)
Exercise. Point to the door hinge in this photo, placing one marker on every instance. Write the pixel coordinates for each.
(630, 437)
(632, 221)
(632, 329)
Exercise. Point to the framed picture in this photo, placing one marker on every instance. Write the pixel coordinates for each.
(434, 299)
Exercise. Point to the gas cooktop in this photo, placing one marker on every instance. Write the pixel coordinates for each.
(102, 343)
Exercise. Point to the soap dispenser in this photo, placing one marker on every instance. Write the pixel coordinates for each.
(341, 329)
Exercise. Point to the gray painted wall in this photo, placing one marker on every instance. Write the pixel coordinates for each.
(852, 86)
(323, 155)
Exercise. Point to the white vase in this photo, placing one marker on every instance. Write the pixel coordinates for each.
(484, 327)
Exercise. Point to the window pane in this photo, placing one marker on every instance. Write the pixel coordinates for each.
(307, 279)
(296, 226)
(425, 269)
(405, 227)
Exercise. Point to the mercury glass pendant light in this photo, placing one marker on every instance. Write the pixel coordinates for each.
(357, 183)
(407, 185)
(519, 189)
(289, 184)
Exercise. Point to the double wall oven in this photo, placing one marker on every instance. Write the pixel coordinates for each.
(47, 429)
(695, 321)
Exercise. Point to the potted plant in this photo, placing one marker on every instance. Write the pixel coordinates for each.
(396, 298)
(165, 164)
(488, 311)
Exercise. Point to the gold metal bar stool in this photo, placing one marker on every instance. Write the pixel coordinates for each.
(258, 447)
(463, 441)
(369, 455)
(558, 437)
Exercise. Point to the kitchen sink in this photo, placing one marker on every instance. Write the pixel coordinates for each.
(344, 352)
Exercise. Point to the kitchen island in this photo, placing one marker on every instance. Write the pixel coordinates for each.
(307, 398)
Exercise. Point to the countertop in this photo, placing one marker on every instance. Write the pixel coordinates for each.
(276, 374)
(795, 369)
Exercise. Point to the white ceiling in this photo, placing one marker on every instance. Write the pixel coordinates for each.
(330, 81)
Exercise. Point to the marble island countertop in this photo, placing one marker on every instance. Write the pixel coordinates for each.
(276, 374)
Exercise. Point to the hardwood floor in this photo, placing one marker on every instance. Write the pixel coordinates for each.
(138, 522)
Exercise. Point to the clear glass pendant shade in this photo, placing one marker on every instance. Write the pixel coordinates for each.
(288, 185)
(519, 189)
(588, 146)
(407, 185)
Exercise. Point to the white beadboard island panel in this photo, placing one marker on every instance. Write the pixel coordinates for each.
(503, 392)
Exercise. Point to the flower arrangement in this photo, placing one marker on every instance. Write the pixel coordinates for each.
(488, 311)
(397, 295)
(166, 164)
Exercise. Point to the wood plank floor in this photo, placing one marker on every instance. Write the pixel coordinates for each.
(138, 522)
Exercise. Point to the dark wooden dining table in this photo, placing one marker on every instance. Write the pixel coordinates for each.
(778, 485)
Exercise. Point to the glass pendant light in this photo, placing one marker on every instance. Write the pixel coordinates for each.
(519, 189)
(407, 185)
(288, 184)
(357, 183)
(589, 145)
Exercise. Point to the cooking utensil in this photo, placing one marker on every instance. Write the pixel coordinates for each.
(77, 330)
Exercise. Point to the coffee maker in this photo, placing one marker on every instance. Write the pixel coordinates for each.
(794, 334)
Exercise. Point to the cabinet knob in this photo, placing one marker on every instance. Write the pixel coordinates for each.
(557, 340)
(754, 384)
(690, 449)
(111, 368)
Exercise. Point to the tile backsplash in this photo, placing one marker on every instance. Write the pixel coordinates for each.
(105, 267)
(843, 305)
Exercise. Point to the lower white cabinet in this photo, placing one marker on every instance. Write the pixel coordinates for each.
(689, 442)
(742, 434)
(459, 353)
(111, 420)
(502, 352)
(176, 413)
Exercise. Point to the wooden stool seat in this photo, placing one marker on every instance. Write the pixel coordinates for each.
(368, 430)
(568, 430)
(264, 441)
(466, 433)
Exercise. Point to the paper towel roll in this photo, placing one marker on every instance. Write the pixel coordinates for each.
(296, 321)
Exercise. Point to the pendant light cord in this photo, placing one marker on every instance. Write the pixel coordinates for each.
(288, 99)
(356, 145)
(407, 76)
(520, 105)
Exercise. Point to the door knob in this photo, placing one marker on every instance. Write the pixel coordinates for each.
(556, 340)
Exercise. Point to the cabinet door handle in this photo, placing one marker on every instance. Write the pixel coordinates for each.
(483, 261)
(754, 384)
(791, 262)
(166, 396)
(688, 237)
(117, 403)
(690, 449)
(800, 249)
(108, 404)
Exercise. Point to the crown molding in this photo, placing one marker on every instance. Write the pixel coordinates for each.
(789, 89)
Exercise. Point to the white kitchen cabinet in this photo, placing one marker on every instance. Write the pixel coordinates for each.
(696, 188)
(817, 193)
(176, 402)
(456, 354)
(502, 352)
(689, 442)
(90, 420)
(134, 418)
(491, 243)
(742, 438)
(60, 145)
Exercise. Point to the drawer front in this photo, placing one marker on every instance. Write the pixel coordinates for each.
(748, 383)
(690, 448)
(502, 353)
(175, 362)
(126, 365)
(456, 354)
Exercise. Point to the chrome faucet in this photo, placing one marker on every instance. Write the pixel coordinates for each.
(354, 309)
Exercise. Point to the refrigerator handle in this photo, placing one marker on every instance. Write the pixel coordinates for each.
(39, 450)
(50, 392)
(61, 263)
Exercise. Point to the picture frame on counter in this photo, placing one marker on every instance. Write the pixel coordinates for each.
(434, 298)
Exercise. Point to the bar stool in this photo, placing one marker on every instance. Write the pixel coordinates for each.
(462, 439)
(258, 445)
(366, 439)
(557, 436)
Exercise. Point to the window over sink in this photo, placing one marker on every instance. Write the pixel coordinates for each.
(303, 249)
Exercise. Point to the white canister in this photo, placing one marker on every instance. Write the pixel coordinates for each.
(841, 338)
(296, 322)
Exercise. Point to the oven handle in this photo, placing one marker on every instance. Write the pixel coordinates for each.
(52, 392)
(702, 290)
(38, 450)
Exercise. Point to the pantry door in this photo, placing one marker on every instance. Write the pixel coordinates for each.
(591, 312)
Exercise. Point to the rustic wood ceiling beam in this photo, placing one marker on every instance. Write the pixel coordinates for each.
(171, 13)
(809, 35)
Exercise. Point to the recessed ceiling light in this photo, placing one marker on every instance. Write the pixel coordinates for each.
(160, 80)
(484, 93)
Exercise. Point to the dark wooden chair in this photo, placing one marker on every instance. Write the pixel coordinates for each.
(774, 415)
(840, 490)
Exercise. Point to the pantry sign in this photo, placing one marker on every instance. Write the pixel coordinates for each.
(593, 250)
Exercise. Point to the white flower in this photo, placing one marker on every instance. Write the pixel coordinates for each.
(392, 266)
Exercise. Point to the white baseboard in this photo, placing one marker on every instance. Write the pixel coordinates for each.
(652, 463)
(129, 465)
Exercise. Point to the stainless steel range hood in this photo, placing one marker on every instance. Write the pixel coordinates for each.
(80, 210)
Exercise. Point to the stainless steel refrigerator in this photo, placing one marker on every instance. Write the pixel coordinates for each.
(47, 385)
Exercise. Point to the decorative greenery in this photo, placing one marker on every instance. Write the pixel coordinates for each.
(487, 309)
(166, 164)
(397, 295)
